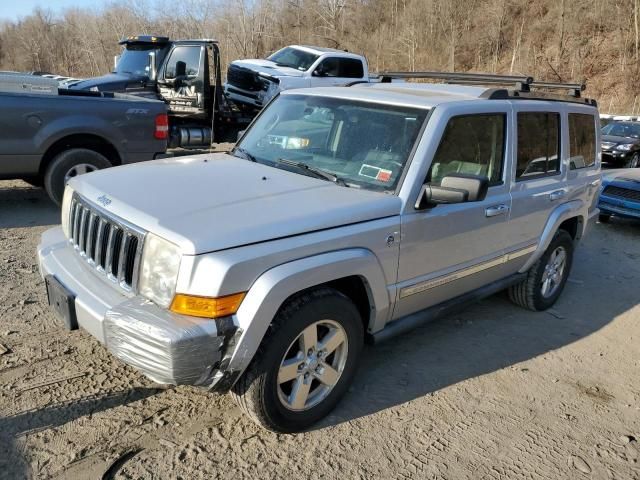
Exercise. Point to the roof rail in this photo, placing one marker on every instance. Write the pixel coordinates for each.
(522, 84)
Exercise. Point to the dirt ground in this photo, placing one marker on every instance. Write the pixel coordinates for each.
(494, 392)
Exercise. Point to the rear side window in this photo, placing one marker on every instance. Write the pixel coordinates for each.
(582, 140)
(538, 144)
(471, 144)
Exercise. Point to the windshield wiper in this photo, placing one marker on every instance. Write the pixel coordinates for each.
(314, 171)
(245, 155)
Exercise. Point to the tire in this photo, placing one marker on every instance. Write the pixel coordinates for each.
(271, 403)
(634, 161)
(62, 167)
(529, 293)
(604, 218)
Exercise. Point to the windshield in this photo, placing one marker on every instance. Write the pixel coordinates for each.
(134, 60)
(294, 58)
(620, 129)
(364, 145)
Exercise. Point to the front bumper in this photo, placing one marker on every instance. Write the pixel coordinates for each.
(166, 347)
(615, 156)
(612, 206)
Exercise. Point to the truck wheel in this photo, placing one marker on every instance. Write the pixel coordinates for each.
(547, 277)
(305, 363)
(69, 164)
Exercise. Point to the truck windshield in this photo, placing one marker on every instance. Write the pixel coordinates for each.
(134, 60)
(294, 58)
(363, 144)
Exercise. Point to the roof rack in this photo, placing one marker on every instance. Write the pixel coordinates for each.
(522, 85)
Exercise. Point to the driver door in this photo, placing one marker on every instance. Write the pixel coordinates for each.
(450, 249)
(181, 84)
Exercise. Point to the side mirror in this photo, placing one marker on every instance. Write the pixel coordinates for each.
(153, 71)
(181, 69)
(319, 72)
(454, 188)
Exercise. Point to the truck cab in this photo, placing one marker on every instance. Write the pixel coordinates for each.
(185, 74)
(253, 83)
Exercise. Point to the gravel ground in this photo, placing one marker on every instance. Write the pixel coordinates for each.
(494, 392)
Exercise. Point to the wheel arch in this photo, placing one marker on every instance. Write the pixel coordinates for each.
(89, 141)
(354, 272)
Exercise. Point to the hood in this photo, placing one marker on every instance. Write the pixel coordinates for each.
(617, 139)
(268, 67)
(627, 177)
(112, 82)
(213, 202)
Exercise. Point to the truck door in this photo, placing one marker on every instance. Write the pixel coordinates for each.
(181, 81)
(337, 71)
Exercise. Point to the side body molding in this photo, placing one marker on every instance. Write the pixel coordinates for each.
(273, 287)
(574, 208)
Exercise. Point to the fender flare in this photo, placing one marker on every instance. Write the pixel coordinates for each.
(276, 285)
(574, 208)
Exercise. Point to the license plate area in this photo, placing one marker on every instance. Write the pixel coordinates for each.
(62, 301)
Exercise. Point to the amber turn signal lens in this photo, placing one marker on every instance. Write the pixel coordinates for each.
(206, 307)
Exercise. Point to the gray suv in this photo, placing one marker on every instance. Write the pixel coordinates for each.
(344, 214)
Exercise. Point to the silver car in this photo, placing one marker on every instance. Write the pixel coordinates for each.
(344, 214)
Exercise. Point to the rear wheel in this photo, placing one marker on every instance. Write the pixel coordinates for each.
(546, 278)
(304, 364)
(70, 164)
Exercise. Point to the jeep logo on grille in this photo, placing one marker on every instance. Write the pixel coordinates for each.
(104, 200)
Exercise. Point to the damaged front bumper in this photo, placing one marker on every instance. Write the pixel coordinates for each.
(166, 347)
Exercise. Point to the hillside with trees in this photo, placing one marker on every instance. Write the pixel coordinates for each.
(554, 40)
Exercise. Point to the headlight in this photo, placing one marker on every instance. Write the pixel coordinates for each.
(66, 211)
(159, 272)
(625, 147)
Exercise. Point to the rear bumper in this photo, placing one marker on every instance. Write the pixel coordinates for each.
(166, 347)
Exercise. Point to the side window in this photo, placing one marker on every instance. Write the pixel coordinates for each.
(351, 68)
(538, 144)
(471, 144)
(582, 140)
(184, 61)
(340, 67)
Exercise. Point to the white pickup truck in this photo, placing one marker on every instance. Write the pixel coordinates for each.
(254, 82)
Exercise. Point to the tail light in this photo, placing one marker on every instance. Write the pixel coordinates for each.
(162, 127)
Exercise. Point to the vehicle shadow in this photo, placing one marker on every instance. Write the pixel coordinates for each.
(495, 334)
(13, 463)
(22, 205)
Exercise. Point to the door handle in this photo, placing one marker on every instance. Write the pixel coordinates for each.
(595, 183)
(496, 210)
(557, 195)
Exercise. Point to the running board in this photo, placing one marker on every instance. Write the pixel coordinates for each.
(415, 320)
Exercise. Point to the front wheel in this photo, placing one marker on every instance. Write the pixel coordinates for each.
(305, 362)
(546, 278)
(634, 161)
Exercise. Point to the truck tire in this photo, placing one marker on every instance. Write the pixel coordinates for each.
(546, 278)
(69, 164)
(305, 362)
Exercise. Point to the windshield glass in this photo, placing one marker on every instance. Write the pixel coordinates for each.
(365, 145)
(294, 58)
(621, 129)
(134, 60)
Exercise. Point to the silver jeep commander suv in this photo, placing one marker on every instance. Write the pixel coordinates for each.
(343, 214)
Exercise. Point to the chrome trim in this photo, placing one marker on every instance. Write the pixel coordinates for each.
(89, 225)
(465, 272)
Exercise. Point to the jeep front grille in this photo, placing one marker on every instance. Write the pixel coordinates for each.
(618, 192)
(108, 244)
